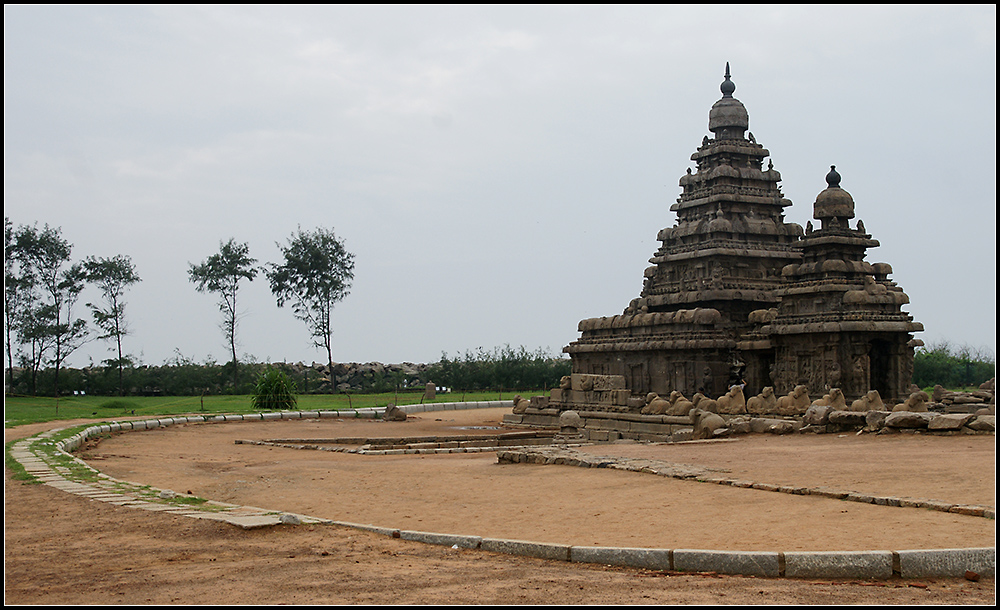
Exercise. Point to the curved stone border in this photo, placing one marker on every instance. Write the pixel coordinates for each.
(568, 456)
(31, 454)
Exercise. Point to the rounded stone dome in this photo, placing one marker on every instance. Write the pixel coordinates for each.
(719, 223)
(728, 114)
(834, 202)
(728, 117)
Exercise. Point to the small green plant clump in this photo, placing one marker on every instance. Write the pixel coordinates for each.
(274, 390)
(117, 403)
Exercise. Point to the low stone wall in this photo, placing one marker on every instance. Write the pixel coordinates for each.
(601, 426)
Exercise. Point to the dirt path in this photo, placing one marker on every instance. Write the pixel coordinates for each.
(61, 548)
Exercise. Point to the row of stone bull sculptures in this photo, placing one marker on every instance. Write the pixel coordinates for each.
(796, 402)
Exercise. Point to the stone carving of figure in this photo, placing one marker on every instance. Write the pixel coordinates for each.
(834, 379)
(861, 370)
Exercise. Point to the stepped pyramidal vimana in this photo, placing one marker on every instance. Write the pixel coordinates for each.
(736, 297)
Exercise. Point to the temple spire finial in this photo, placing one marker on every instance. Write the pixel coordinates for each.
(728, 87)
(833, 178)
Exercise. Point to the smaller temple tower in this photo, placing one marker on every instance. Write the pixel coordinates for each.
(839, 323)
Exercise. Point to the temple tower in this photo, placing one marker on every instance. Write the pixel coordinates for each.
(734, 294)
(839, 323)
(720, 261)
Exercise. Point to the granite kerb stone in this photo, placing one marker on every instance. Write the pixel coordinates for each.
(452, 540)
(876, 565)
(525, 548)
(650, 559)
(747, 563)
(946, 562)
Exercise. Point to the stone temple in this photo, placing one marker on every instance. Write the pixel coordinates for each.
(737, 296)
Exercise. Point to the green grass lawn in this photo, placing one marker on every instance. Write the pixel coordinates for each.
(19, 410)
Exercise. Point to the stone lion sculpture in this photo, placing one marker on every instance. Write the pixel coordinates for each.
(765, 402)
(679, 405)
(834, 399)
(520, 404)
(655, 405)
(706, 424)
(917, 403)
(733, 401)
(795, 403)
(869, 402)
(393, 413)
(705, 403)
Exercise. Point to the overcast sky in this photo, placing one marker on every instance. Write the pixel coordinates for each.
(499, 172)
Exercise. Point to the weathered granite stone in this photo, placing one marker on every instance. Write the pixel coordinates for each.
(773, 426)
(946, 562)
(984, 423)
(817, 415)
(290, 519)
(949, 421)
(859, 564)
(907, 419)
(759, 563)
(856, 419)
(875, 420)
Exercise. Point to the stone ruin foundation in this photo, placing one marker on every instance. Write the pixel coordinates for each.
(757, 321)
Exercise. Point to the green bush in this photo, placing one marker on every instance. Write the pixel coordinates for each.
(502, 368)
(274, 390)
(125, 405)
(952, 367)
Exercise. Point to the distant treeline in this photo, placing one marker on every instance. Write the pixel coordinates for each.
(952, 367)
(503, 368)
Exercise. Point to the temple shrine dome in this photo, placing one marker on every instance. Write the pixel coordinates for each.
(833, 202)
(728, 116)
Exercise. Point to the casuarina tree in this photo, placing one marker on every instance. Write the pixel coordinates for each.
(221, 274)
(315, 275)
(46, 321)
(112, 276)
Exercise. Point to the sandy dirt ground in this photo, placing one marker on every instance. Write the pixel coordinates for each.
(64, 549)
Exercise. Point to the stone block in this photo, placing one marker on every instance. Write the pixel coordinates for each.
(682, 434)
(949, 421)
(946, 562)
(594, 423)
(817, 415)
(539, 402)
(649, 428)
(773, 426)
(463, 542)
(727, 562)
(650, 559)
(853, 419)
(908, 419)
(875, 420)
(524, 548)
(839, 564)
(608, 382)
(984, 423)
